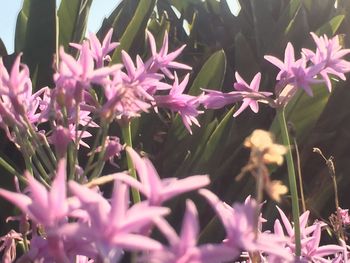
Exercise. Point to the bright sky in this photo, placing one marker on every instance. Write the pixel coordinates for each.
(10, 8)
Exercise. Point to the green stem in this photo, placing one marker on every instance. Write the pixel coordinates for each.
(100, 160)
(292, 180)
(8, 167)
(89, 165)
(126, 131)
(41, 169)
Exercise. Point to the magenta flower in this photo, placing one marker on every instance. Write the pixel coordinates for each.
(184, 248)
(295, 72)
(8, 246)
(113, 149)
(240, 225)
(162, 60)
(17, 103)
(213, 99)
(330, 54)
(156, 190)
(186, 105)
(310, 238)
(344, 215)
(43, 207)
(242, 86)
(78, 75)
(125, 100)
(99, 51)
(250, 94)
(113, 226)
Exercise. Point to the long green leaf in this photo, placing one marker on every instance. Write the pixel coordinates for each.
(3, 51)
(135, 29)
(40, 40)
(245, 60)
(21, 26)
(72, 19)
(211, 75)
(331, 27)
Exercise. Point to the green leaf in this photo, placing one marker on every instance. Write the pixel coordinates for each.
(195, 148)
(3, 51)
(40, 40)
(21, 26)
(289, 12)
(158, 29)
(72, 19)
(135, 29)
(211, 151)
(262, 21)
(211, 75)
(111, 20)
(331, 27)
(245, 60)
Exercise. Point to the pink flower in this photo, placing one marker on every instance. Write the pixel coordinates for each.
(162, 60)
(330, 54)
(183, 248)
(295, 72)
(310, 238)
(125, 100)
(253, 87)
(8, 246)
(186, 105)
(17, 103)
(74, 76)
(240, 226)
(344, 215)
(99, 51)
(113, 226)
(42, 206)
(156, 190)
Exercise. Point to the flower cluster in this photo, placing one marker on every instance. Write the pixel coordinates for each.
(311, 68)
(84, 225)
(79, 221)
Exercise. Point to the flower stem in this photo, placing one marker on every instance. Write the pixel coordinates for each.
(8, 167)
(100, 159)
(126, 131)
(292, 180)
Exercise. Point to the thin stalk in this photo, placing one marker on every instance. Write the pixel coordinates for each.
(100, 160)
(8, 167)
(36, 172)
(300, 176)
(71, 160)
(74, 152)
(291, 179)
(41, 169)
(92, 155)
(126, 132)
(39, 149)
(331, 170)
(25, 243)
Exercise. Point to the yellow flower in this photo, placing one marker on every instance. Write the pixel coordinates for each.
(262, 142)
(275, 189)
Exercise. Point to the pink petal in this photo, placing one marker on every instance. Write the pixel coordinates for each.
(136, 242)
(184, 185)
(190, 226)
